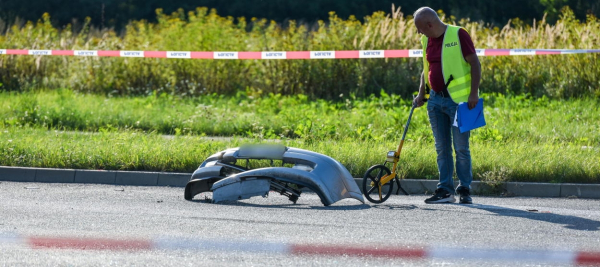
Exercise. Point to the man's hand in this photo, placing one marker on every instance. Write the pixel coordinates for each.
(473, 99)
(419, 100)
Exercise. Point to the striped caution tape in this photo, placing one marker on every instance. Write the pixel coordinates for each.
(282, 248)
(284, 54)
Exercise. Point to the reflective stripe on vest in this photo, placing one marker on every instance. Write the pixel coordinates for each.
(453, 63)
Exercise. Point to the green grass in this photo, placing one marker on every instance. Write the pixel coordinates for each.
(132, 150)
(510, 119)
(535, 140)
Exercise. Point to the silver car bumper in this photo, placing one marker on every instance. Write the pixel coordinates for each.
(223, 174)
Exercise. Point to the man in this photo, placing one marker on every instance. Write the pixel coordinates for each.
(452, 70)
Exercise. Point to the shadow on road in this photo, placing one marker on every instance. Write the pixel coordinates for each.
(286, 206)
(302, 206)
(570, 222)
(394, 207)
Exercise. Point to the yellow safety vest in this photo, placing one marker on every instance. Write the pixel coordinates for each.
(453, 64)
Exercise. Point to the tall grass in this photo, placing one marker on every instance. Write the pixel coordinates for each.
(556, 76)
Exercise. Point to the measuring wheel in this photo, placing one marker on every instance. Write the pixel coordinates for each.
(371, 185)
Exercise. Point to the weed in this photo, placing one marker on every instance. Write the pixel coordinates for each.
(495, 180)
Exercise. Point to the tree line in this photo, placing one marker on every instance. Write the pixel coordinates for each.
(118, 13)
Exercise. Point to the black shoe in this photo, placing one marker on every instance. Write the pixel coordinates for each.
(465, 195)
(441, 196)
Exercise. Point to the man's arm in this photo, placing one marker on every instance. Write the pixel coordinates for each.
(473, 60)
(468, 48)
(419, 100)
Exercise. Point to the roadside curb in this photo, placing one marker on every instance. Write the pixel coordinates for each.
(412, 186)
(417, 186)
(43, 175)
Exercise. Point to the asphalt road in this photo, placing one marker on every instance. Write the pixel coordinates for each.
(127, 212)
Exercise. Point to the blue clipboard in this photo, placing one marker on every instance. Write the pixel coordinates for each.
(469, 119)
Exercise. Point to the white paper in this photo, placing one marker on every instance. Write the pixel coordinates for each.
(455, 124)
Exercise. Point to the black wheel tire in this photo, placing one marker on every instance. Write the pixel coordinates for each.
(374, 175)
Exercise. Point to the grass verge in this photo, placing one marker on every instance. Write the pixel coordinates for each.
(136, 150)
(510, 119)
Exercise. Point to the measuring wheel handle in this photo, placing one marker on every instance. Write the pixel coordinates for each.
(371, 185)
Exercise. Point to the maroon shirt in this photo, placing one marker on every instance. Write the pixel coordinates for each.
(434, 57)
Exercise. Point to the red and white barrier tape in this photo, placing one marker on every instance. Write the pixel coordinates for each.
(284, 54)
(432, 253)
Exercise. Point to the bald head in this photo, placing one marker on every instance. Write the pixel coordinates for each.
(426, 14)
(428, 23)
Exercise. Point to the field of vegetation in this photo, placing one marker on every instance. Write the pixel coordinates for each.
(170, 114)
(554, 76)
(526, 139)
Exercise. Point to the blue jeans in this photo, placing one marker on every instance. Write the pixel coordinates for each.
(441, 113)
